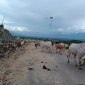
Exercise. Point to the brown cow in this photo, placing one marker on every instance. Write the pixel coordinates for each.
(59, 47)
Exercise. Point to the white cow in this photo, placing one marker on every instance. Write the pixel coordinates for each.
(78, 51)
(45, 45)
(22, 43)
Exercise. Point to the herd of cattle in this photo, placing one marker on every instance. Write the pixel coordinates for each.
(75, 50)
(8, 47)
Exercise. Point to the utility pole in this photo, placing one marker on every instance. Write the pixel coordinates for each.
(2, 23)
(3, 20)
(51, 18)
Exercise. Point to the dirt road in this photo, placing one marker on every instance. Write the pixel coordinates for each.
(57, 71)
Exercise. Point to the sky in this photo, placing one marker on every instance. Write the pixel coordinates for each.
(31, 17)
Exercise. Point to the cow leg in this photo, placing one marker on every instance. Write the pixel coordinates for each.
(68, 56)
(82, 62)
(68, 60)
(60, 51)
(75, 61)
(56, 50)
(80, 68)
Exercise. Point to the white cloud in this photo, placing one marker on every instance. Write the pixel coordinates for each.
(73, 29)
(33, 13)
(16, 29)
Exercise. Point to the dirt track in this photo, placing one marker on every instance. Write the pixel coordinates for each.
(60, 73)
(27, 69)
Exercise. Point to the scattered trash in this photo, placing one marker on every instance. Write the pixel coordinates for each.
(44, 67)
(42, 62)
(49, 69)
(30, 68)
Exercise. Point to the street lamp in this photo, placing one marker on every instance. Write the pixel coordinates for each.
(51, 18)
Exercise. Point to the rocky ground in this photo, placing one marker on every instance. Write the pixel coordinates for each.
(11, 69)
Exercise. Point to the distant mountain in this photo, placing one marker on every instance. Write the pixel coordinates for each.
(57, 35)
(15, 33)
(27, 34)
(75, 36)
